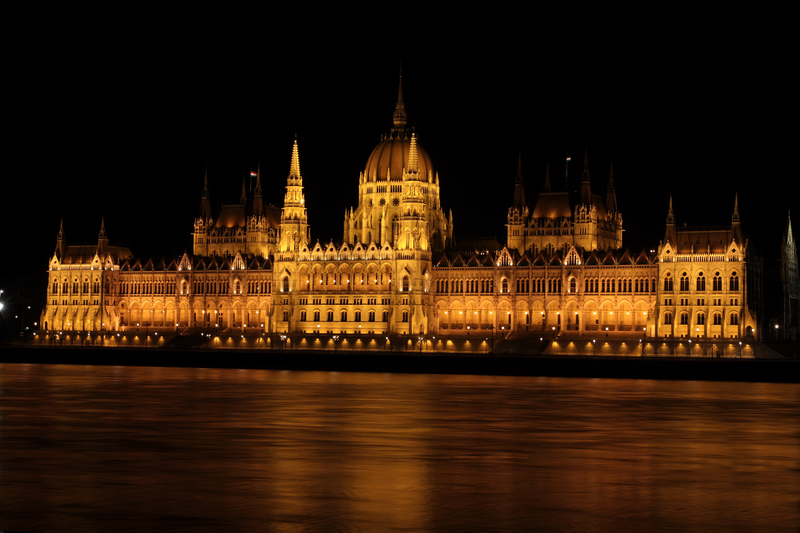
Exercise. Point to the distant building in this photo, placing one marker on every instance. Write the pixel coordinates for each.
(398, 271)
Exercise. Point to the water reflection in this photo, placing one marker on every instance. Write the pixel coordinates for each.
(111, 448)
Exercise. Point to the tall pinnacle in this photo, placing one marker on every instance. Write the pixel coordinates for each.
(670, 214)
(611, 194)
(735, 217)
(243, 197)
(547, 187)
(258, 179)
(519, 188)
(586, 186)
(205, 200)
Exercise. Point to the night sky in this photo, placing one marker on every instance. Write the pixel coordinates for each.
(123, 129)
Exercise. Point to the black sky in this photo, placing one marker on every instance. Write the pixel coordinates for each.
(120, 123)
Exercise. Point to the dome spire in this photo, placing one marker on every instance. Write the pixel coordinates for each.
(400, 118)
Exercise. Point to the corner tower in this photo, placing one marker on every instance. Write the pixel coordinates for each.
(294, 219)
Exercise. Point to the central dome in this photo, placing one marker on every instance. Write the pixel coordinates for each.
(391, 155)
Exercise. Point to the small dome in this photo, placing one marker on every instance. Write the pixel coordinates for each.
(392, 153)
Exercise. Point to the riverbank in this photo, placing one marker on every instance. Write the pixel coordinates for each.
(669, 368)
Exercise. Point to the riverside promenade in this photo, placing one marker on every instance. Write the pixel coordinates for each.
(516, 355)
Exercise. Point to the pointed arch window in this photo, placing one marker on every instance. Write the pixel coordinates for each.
(734, 282)
(684, 282)
(717, 285)
(668, 287)
(701, 282)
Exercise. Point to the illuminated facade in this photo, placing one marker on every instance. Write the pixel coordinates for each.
(397, 271)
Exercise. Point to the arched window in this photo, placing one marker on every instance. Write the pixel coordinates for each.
(734, 319)
(405, 316)
(358, 316)
(684, 282)
(316, 316)
(303, 315)
(386, 316)
(285, 315)
(684, 319)
(371, 316)
(285, 284)
(344, 316)
(572, 285)
(330, 316)
(717, 319)
(668, 318)
(701, 319)
(55, 286)
(701, 282)
(405, 284)
(504, 287)
(717, 282)
(734, 283)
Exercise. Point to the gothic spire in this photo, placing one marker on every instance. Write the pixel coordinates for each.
(258, 178)
(519, 187)
(586, 186)
(205, 200)
(611, 194)
(243, 197)
(670, 214)
(547, 187)
(258, 202)
(102, 239)
(61, 240)
(735, 217)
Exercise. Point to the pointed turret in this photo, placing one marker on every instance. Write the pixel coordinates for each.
(258, 200)
(102, 240)
(670, 235)
(61, 242)
(586, 186)
(243, 197)
(737, 232)
(519, 187)
(547, 187)
(205, 200)
(611, 195)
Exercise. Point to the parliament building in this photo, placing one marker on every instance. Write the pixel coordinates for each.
(398, 271)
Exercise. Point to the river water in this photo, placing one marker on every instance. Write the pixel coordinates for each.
(90, 448)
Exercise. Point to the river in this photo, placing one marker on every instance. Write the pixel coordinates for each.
(96, 448)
